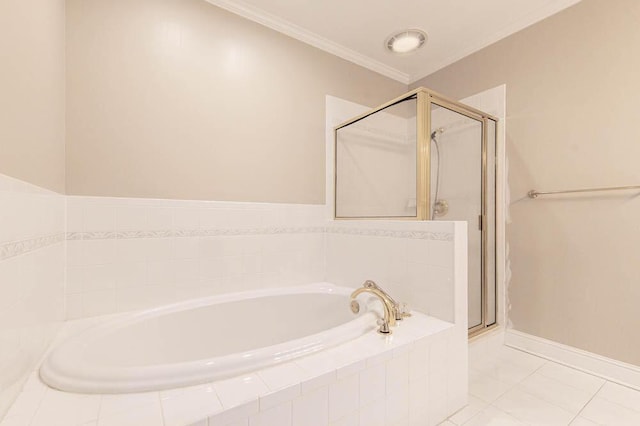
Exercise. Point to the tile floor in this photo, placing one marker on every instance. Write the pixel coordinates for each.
(511, 387)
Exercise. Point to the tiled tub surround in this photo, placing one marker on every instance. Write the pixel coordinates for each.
(132, 254)
(129, 254)
(402, 379)
(413, 261)
(31, 279)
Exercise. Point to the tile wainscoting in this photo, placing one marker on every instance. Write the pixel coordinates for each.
(413, 261)
(78, 257)
(127, 254)
(31, 279)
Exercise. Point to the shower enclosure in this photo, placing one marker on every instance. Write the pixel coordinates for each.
(425, 157)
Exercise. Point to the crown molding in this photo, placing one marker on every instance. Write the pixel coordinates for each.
(285, 27)
(290, 29)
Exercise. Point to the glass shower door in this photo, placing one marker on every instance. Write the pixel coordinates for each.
(456, 190)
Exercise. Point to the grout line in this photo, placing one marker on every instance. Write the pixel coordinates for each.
(161, 408)
(39, 406)
(478, 413)
(617, 402)
(619, 384)
(291, 406)
(587, 403)
(557, 381)
(568, 384)
(100, 408)
(517, 385)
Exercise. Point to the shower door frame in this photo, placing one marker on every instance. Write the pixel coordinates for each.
(425, 99)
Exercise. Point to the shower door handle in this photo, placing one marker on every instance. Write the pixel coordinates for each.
(480, 222)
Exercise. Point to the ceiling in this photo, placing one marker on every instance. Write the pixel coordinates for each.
(356, 29)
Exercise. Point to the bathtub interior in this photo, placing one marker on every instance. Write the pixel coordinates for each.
(208, 339)
(201, 333)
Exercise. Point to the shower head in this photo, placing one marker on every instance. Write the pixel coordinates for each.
(436, 132)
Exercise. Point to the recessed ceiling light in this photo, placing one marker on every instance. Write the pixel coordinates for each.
(406, 41)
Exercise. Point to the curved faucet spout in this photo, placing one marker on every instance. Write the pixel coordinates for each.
(372, 284)
(397, 310)
(389, 317)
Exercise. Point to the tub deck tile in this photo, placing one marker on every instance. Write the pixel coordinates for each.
(187, 407)
(318, 388)
(238, 414)
(280, 396)
(239, 390)
(282, 376)
(115, 404)
(142, 415)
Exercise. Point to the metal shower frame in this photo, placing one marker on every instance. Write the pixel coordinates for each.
(425, 99)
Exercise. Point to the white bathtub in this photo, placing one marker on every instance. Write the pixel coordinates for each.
(205, 340)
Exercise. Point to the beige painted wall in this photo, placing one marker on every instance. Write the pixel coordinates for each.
(572, 121)
(32, 91)
(180, 99)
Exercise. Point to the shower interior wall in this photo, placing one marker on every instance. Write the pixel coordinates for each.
(376, 164)
(456, 177)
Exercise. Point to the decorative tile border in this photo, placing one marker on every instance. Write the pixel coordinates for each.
(16, 248)
(181, 233)
(414, 235)
(228, 232)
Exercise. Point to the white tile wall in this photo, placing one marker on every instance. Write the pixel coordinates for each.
(413, 261)
(31, 279)
(128, 254)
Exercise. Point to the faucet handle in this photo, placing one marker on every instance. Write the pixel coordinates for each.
(403, 310)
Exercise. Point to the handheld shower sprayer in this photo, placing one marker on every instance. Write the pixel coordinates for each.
(440, 207)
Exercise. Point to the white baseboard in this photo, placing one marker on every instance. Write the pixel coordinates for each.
(607, 368)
